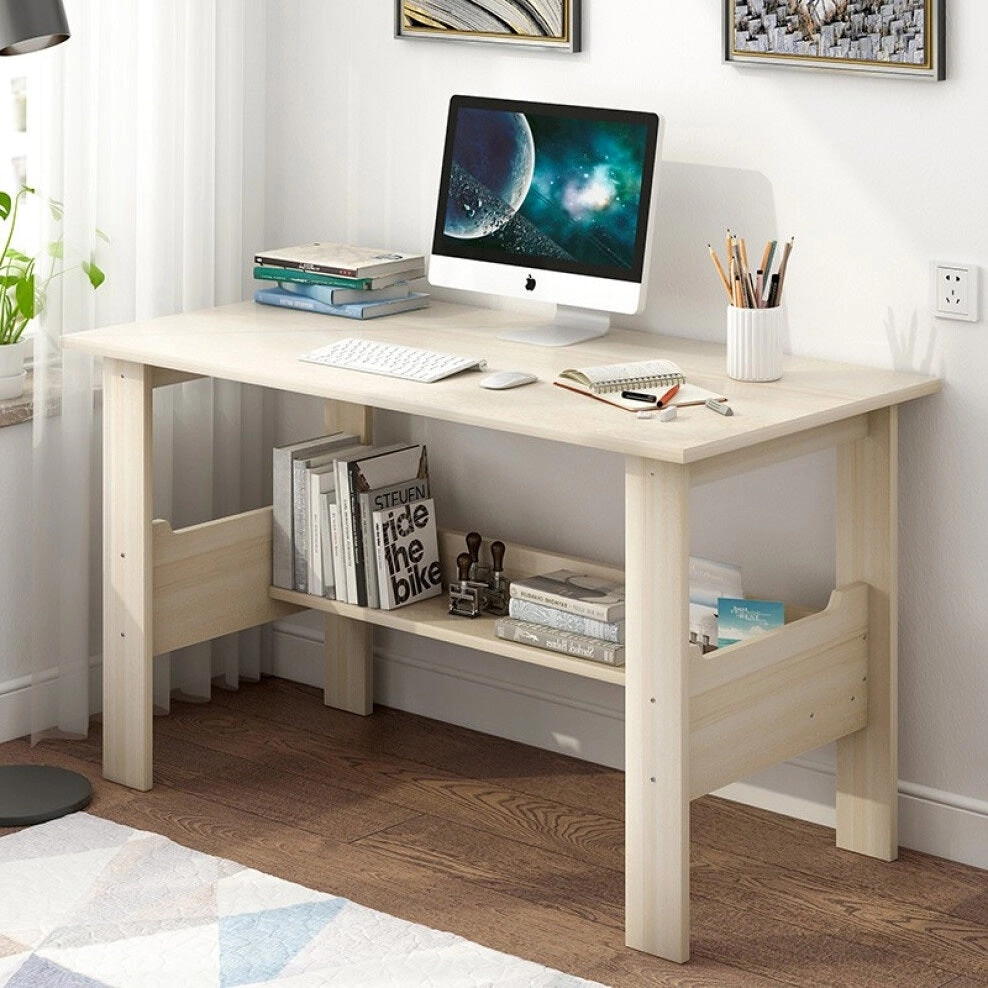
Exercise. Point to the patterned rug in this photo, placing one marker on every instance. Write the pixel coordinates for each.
(85, 903)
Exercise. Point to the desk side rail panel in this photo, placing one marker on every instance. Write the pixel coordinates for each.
(212, 579)
(756, 704)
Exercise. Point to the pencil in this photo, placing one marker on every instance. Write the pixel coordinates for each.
(720, 270)
(767, 266)
(767, 255)
(786, 251)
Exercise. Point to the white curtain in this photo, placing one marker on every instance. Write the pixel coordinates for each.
(150, 133)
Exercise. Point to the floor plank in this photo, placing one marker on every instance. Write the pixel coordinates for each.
(522, 849)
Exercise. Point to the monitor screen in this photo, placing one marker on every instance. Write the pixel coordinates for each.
(548, 202)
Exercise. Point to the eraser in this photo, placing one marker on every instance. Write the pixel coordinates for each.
(668, 414)
(644, 414)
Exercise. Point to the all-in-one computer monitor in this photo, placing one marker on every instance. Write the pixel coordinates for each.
(547, 202)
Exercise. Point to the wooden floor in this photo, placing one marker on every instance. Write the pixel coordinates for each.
(521, 850)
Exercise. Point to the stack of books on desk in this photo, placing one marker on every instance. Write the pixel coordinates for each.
(340, 279)
(569, 612)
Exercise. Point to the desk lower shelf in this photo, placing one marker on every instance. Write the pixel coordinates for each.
(431, 619)
(752, 704)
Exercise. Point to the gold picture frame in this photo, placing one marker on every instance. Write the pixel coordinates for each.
(905, 38)
(533, 23)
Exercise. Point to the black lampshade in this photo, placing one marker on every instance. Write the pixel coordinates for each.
(30, 25)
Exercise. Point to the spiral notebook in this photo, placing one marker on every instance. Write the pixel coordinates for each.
(648, 377)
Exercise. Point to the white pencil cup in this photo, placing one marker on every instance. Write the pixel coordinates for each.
(754, 343)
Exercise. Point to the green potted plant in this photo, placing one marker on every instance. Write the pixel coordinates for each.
(24, 290)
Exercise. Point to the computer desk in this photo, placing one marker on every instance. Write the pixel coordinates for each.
(693, 722)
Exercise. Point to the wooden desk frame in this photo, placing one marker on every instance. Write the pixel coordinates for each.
(693, 722)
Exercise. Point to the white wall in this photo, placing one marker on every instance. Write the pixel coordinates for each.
(874, 176)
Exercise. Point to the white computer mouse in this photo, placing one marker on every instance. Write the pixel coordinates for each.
(500, 380)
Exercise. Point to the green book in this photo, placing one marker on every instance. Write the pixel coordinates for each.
(272, 273)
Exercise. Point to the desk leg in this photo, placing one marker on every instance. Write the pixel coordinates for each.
(349, 644)
(657, 832)
(127, 579)
(867, 549)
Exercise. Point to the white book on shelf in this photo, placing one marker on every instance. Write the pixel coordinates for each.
(321, 479)
(326, 537)
(283, 501)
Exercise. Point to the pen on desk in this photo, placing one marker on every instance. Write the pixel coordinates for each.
(668, 396)
(639, 396)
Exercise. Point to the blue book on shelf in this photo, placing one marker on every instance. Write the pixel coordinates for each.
(351, 310)
(742, 619)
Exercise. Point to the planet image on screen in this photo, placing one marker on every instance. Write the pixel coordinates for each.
(492, 167)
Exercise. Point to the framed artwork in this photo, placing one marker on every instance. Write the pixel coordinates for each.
(891, 37)
(537, 23)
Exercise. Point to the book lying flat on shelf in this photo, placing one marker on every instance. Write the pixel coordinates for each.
(346, 260)
(605, 382)
(577, 593)
(367, 309)
(554, 617)
(557, 640)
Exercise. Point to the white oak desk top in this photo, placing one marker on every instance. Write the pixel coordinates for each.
(257, 344)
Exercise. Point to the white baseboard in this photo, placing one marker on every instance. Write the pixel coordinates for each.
(15, 703)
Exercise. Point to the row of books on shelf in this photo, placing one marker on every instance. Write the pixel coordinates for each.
(354, 522)
(584, 616)
(341, 280)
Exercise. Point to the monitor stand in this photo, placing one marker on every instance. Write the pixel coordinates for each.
(570, 325)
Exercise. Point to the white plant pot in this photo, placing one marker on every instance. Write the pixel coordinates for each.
(13, 377)
(12, 358)
(13, 385)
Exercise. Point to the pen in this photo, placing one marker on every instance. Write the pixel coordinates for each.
(650, 398)
(668, 396)
(783, 264)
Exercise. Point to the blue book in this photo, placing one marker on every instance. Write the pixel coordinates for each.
(351, 310)
(741, 619)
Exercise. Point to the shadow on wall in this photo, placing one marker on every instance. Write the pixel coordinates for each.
(905, 347)
(696, 205)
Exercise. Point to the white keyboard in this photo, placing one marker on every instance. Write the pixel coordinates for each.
(392, 360)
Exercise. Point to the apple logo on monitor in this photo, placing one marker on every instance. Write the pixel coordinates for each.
(529, 284)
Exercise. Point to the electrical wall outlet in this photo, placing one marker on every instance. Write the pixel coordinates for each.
(955, 291)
